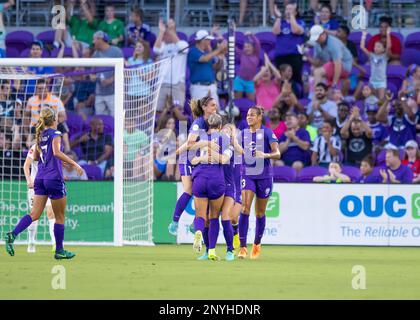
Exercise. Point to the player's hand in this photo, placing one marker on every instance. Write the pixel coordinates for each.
(260, 155)
(79, 170)
(30, 184)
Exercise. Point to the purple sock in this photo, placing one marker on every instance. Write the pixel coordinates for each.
(24, 223)
(228, 233)
(235, 229)
(259, 229)
(180, 206)
(206, 237)
(243, 228)
(59, 236)
(214, 228)
(199, 224)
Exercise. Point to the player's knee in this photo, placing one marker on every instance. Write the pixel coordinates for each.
(246, 209)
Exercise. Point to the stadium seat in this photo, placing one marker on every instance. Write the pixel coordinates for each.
(240, 38)
(68, 53)
(413, 40)
(395, 74)
(47, 37)
(284, 174)
(182, 35)
(244, 104)
(352, 172)
(92, 172)
(307, 174)
(410, 56)
(267, 40)
(12, 52)
(356, 37)
(151, 38)
(127, 52)
(20, 39)
(75, 123)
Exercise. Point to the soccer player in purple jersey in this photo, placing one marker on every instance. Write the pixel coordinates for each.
(201, 109)
(236, 162)
(209, 188)
(49, 182)
(260, 146)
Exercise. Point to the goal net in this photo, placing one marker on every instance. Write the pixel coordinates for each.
(113, 204)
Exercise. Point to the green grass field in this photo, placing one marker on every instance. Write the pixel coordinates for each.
(171, 272)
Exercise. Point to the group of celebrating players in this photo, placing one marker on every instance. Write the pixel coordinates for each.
(224, 170)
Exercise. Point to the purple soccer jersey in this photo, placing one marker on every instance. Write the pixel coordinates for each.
(49, 167)
(294, 152)
(257, 141)
(228, 171)
(199, 127)
(208, 179)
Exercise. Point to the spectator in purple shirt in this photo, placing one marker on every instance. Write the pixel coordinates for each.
(136, 30)
(324, 19)
(250, 59)
(290, 33)
(395, 171)
(294, 144)
(366, 170)
(402, 125)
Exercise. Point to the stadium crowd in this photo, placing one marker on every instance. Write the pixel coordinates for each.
(335, 103)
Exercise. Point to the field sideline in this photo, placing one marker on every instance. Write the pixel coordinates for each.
(171, 272)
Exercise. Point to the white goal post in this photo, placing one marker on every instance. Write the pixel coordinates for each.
(120, 81)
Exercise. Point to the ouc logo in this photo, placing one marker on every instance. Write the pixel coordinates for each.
(374, 206)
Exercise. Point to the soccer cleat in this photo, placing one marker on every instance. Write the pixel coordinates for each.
(9, 239)
(204, 257)
(256, 251)
(31, 248)
(197, 245)
(64, 254)
(243, 251)
(229, 256)
(213, 256)
(173, 228)
(236, 241)
(191, 228)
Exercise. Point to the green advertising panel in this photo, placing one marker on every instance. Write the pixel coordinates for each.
(89, 211)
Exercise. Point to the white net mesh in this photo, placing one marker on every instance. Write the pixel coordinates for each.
(141, 89)
(21, 96)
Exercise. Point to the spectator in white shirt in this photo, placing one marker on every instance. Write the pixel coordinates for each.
(169, 45)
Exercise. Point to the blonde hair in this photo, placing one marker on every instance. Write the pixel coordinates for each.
(215, 121)
(46, 118)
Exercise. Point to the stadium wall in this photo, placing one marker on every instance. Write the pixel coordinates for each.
(297, 214)
(334, 214)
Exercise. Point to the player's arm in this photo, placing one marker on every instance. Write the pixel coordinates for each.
(274, 154)
(63, 157)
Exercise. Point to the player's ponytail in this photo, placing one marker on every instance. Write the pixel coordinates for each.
(46, 118)
(197, 106)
